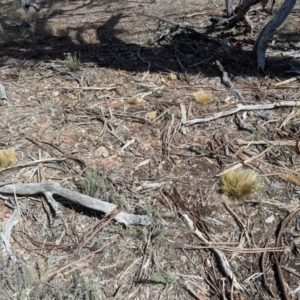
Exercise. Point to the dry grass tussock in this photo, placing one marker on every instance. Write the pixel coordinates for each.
(202, 97)
(239, 183)
(7, 158)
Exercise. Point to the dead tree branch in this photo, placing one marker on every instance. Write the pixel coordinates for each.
(48, 189)
(238, 108)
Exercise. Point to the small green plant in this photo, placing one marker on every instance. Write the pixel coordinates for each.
(89, 184)
(202, 97)
(239, 183)
(177, 170)
(175, 113)
(165, 277)
(160, 92)
(72, 62)
(150, 41)
(118, 200)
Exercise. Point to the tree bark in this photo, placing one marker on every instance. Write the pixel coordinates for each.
(267, 33)
(241, 11)
(229, 7)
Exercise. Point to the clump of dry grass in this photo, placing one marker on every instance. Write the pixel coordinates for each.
(135, 100)
(202, 97)
(7, 158)
(239, 183)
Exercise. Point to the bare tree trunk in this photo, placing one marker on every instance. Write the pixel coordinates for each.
(267, 33)
(229, 7)
(242, 10)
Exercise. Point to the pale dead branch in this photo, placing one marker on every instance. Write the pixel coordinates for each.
(218, 253)
(48, 189)
(241, 107)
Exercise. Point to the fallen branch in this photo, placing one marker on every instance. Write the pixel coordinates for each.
(48, 189)
(241, 107)
(292, 143)
(220, 256)
(238, 249)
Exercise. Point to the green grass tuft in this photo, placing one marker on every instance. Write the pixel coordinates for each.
(72, 62)
(165, 277)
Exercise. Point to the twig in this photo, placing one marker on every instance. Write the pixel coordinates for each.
(85, 88)
(238, 249)
(265, 281)
(283, 226)
(103, 222)
(287, 81)
(241, 107)
(290, 270)
(281, 280)
(113, 239)
(235, 216)
(292, 143)
(32, 163)
(218, 253)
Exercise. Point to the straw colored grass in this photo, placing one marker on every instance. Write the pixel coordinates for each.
(202, 97)
(7, 158)
(239, 183)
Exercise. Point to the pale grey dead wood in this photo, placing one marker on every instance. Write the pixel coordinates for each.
(267, 33)
(225, 76)
(229, 7)
(5, 233)
(48, 189)
(242, 10)
(241, 107)
(3, 94)
(220, 256)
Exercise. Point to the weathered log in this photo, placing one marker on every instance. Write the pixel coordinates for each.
(48, 189)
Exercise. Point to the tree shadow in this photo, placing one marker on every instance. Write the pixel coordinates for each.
(190, 53)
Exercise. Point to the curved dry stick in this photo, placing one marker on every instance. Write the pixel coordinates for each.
(283, 226)
(267, 33)
(48, 189)
(264, 277)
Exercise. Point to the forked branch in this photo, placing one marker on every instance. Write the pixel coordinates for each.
(48, 189)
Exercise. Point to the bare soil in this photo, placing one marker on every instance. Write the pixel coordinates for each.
(152, 164)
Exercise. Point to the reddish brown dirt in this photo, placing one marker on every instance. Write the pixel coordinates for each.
(54, 112)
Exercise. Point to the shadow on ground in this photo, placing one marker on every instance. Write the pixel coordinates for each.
(185, 52)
